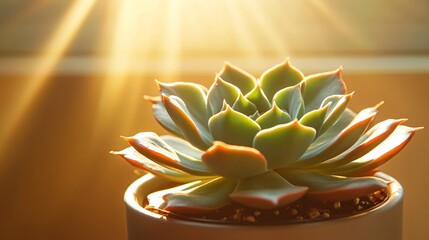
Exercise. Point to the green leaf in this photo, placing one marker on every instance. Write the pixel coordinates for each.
(162, 117)
(257, 97)
(193, 95)
(290, 99)
(315, 88)
(325, 187)
(233, 127)
(238, 77)
(220, 92)
(234, 162)
(315, 118)
(266, 191)
(244, 106)
(182, 147)
(200, 198)
(153, 147)
(345, 119)
(379, 155)
(341, 142)
(138, 160)
(196, 134)
(284, 144)
(279, 77)
(275, 116)
(338, 104)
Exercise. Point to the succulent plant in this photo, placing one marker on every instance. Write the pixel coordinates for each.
(263, 143)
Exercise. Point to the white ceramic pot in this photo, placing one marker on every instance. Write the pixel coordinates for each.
(382, 223)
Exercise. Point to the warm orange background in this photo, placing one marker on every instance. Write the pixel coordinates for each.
(59, 182)
(72, 79)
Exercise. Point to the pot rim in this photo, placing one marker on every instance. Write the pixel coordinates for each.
(132, 201)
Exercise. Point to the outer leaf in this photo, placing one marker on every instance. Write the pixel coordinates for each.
(284, 144)
(192, 94)
(220, 92)
(233, 127)
(290, 99)
(340, 143)
(238, 77)
(202, 198)
(153, 147)
(334, 188)
(257, 97)
(196, 134)
(156, 199)
(268, 190)
(162, 117)
(183, 147)
(275, 116)
(234, 162)
(278, 77)
(365, 144)
(379, 155)
(315, 88)
(140, 161)
(244, 106)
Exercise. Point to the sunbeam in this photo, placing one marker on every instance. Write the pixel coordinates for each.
(242, 30)
(122, 57)
(172, 39)
(265, 27)
(339, 23)
(54, 49)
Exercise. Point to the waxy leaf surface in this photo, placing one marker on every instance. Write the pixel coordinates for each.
(266, 191)
(284, 144)
(238, 77)
(234, 162)
(315, 88)
(290, 99)
(325, 187)
(278, 77)
(233, 128)
(202, 198)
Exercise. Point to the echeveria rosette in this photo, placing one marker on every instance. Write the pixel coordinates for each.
(263, 142)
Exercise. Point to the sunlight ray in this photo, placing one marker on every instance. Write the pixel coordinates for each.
(265, 25)
(349, 31)
(172, 40)
(54, 49)
(126, 39)
(122, 19)
(242, 30)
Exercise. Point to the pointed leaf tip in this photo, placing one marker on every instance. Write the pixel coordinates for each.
(275, 116)
(219, 92)
(317, 87)
(279, 77)
(232, 127)
(151, 99)
(237, 77)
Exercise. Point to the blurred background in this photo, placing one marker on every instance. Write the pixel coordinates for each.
(73, 75)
